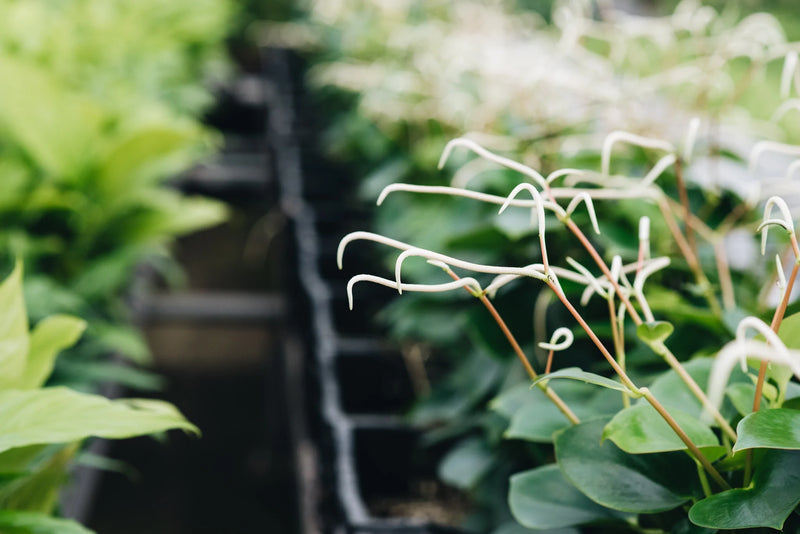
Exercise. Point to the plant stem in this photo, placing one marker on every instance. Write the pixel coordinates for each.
(777, 318)
(552, 395)
(619, 344)
(623, 376)
(603, 267)
(687, 209)
(690, 382)
(725, 280)
(701, 474)
(700, 277)
(662, 350)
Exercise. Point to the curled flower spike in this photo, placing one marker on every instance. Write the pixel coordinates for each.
(691, 138)
(592, 282)
(500, 160)
(644, 238)
(537, 197)
(781, 272)
(639, 280)
(367, 236)
(555, 175)
(561, 339)
(785, 222)
(584, 196)
(734, 352)
(660, 166)
(789, 68)
(754, 323)
(532, 271)
(466, 193)
(633, 139)
(470, 283)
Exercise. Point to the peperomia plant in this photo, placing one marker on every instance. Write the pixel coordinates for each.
(42, 427)
(708, 442)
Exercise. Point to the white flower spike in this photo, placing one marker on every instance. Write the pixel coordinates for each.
(500, 160)
(470, 283)
(561, 339)
(633, 139)
(784, 222)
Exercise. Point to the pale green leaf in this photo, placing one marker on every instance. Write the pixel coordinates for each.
(656, 331)
(576, 373)
(21, 522)
(48, 338)
(14, 338)
(60, 415)
(771, 429)
(640, 429)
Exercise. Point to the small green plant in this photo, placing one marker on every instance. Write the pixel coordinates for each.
(42, 428)
(666, 450)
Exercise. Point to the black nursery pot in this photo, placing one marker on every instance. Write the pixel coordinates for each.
(375, 477)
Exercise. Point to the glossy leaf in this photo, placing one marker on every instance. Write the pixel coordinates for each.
(642, 483)
(640, 429)
(60, 415)
(655, 331)
(539, 418)
(38, 489)
(21, 522)
(543, 499)
(48, 338)
(772, 496)
(465, 465)
(576, 373)
(512, 527)
(771, 429)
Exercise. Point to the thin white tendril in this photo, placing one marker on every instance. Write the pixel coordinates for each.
(789, 68)
(592, 282)
(561, 339)
(781, 273)
(734, 352)
(537, 197)
(785, 222)
(754, 323)
(658, 169)
(467, 193)
(530, 270)
(644, 237)
(691, 138)
(639, 280)
(470, 283)
(584, 197)
(366, 236)
(470, 170)
(619, 135)
(500, 160)
(555, 175)
(791, 170)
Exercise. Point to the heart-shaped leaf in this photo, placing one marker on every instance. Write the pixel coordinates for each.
(640, 429)
(653, 332)
(774, 493)
(771, 429)
(538, 418)
(543, 499)
(609, 476)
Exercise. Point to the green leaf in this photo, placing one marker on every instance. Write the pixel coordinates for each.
(38, 490)
(20, 522)
(642, 483)
(640, 429)
(789, 332)
(465, 465)
(543, 499)
(539, 418)
(60, 415)
(48, 338)
(575, 373)
(14, 338)
(741, 395)
(771, 429)
(653, 332)
(773, 494)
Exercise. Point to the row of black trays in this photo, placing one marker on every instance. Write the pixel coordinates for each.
(370, 475)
